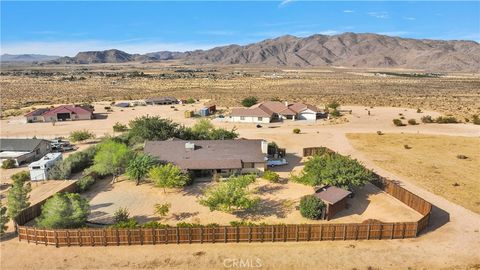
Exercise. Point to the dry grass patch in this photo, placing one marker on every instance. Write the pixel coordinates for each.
(430, 161)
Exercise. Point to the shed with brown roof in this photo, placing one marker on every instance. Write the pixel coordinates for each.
(335, 198)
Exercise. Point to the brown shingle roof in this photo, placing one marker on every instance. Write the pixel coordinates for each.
(255, 112)
(331, 194)
(299, 107)
(208, 154)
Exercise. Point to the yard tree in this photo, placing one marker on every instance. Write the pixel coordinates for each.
(152, 128)
(230, 195)
(3, 219)
(335, 170)
(139, 166)
(168, 176)
(249, 101)
(18, 194)
(205, 130)
(64, 210)
(111, 158)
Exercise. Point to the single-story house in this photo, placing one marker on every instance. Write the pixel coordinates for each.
(161, 101)
(23, 150)
(39, 169)
(335, 198)
(269, 111)
(60, 113)
(208, 157)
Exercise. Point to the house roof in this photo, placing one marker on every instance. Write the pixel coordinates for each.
(331, 194)
(157, 99)
(75, 109)
(19, 145)
(273, 106)
(300, 107)
(255, 112)
(207, 154)
(37, 112)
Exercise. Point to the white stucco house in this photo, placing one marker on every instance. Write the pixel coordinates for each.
(270, 111)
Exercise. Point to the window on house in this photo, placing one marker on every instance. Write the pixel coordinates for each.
(37, 151)
(242, 117)
(248, 165)
(260, 118)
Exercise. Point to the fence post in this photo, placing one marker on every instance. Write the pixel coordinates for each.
(368, 232)
(201, 235)
(309, 232)
(128, 237)
(104, 237)
(118, 237)
(344, 232)
(237, 231)
(334, 232)
(225, 234)
(189, 235)
(92, 239)
(262, 235)
(284, 233)
(356, 232)
(321, 232)
(166, 236)
(273, 233)
(393, 230)
(403, 230)
(55, 234)
(141, 236)
(177, 233)
(68, 238)
(249, 234)
(45, 237)
(35, 232)
(154, 236)
(296, 233)
(80, 242)
(381, 232)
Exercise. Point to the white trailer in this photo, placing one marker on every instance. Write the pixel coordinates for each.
(40, 168)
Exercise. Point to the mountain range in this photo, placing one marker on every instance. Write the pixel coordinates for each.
(344, 50)
(28, 58)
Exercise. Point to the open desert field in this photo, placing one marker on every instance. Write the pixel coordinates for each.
(456, 94)
(431, 162)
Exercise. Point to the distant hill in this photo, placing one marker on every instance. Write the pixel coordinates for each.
(346, 50)
(26, 58)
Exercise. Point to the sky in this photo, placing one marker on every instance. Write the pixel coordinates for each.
(66, 27)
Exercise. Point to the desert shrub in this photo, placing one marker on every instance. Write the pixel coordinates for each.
(296, 131)
(205, 130)
(402, 117)
(476, 119)
(446, 120)
(121, 215)
(406, 146)
(154, 225)
(379, 132)
(118, 127)
(335, 170)
(333, 105)
(64, 210)
(412, 122)
(81, 135)
(271, 176)
(242, 223)
(190, 100)
(419, 110)
(462, 157)
(8, 164)
(169, 176)
(398, 122)
(230, 195)
(17, 198)
(3, 219)
(85, 182)
(130, 223)
(162, 209)
(427, 119)
(335, 113)
(311, 207)
(249, 101)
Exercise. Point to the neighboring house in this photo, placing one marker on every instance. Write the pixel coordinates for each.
(161, 101)
(23, 150)
(335, 198)
(270, 111)
(60, 113)
(40, 168)
(208, 157)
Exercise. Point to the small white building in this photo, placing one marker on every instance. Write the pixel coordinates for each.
(40, 168)
(270, 111)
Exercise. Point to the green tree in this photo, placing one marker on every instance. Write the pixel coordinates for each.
(3, 219)
(152, 128)
(18, 194)
(64, 210)
(168, 176)
(111, 158)
(233, 194)
(333, 105)
(311, 207)
(81, 135)
(139, 166)
(335, 170)
(249, 101)
(205, 130)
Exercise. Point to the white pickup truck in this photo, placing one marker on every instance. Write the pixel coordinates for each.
(276, 162)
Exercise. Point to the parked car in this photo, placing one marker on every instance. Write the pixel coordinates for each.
(259, 126)
(276, 162)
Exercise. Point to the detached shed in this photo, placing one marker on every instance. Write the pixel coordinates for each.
(335, 198)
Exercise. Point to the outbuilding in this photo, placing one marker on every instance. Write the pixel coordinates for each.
(335, 198)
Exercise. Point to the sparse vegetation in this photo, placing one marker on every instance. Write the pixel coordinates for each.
(17, 198)
(427, 119)
(3, 219)
(296, 131)
(412, 122)
(398, 123)
(162, 209)
(118, 127)
(74, 163)
(81, 135)
(476, 119)
(249, 101)
(121, 215)
(8, 164)
(446, 120)
(271, 176)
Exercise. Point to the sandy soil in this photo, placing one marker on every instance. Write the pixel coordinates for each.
(451, 242)
(277, 205)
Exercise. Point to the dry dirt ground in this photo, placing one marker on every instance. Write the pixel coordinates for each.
(277, 205)
(451, 242)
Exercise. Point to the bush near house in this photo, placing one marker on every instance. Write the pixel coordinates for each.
(446, 120)
(168, 176)
(64, 210)
(74, 163)
(311, 207)
(8, 164)
(81, 135)
(398, 122)
(296, 131)
(271, 176)
(249, 101)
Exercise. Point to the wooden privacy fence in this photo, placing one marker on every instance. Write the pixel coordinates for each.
(233, 234)
(220, 234)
